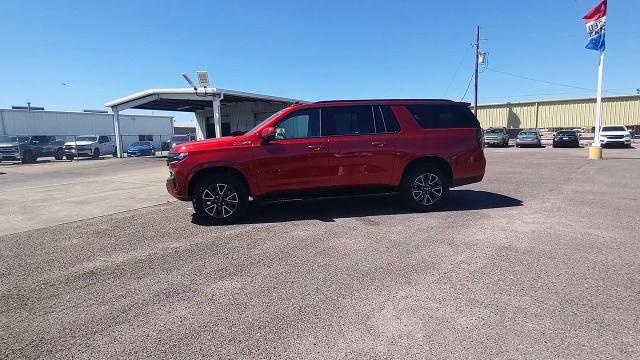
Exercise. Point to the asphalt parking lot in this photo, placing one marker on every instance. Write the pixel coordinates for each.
(540, 260)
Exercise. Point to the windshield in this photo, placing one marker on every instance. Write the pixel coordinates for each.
(8, 138)
(614, 128)
(179, 138)
(141, 143)
(566, 133)
(87, 138)
(265, 120)
(527, 133)
(495, 131)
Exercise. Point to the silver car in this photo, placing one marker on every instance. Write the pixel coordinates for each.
(529, 138)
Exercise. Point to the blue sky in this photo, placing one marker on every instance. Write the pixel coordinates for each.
(308, 50)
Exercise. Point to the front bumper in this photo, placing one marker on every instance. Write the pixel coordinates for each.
(175, 189)
(618, 142)
(10, 156)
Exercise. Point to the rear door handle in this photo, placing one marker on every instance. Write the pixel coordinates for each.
(315, 147)
(379, 143)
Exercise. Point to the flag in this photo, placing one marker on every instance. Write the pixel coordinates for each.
(595, 20)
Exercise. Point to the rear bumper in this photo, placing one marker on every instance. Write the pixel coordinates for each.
(494, 141)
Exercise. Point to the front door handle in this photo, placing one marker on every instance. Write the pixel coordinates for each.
(315, 147)
(379, 143)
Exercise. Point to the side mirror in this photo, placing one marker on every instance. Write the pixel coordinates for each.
(267, 134)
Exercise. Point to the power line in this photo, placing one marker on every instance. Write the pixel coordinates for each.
(549, 82)
(468, 86)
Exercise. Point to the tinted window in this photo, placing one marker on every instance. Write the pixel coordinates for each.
(567, 133)
(145, 137)
(390, 121)
(347, 120)
(432, 116)
(300, 124)
(614, 128)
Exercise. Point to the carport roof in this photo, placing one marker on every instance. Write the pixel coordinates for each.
(188, 99)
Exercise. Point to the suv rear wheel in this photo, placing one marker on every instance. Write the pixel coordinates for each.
(220, 199)
(424, 188)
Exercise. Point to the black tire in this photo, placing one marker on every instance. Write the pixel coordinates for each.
(115, 152)
(426, 179)
(69, 157)
(59, 154)
(506, 143)
(28, 157)
(219, 189)
(95, 154)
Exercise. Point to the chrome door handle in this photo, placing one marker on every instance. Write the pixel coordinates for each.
(379, 143)
(315, 147)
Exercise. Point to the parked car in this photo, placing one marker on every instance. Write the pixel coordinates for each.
(496, 136)
(419, 148)
(29, 148)
(141, 148)
(528, 138)
(566, 138)
(176, 140)
(615, 135)
(89, 146)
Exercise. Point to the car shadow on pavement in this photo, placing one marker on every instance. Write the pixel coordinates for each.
(329, 209)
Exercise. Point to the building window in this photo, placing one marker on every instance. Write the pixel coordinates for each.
(145, 137)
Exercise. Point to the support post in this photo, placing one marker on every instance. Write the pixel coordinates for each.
(537, 110)
(595, 151)
(116, 130)
(217, 117)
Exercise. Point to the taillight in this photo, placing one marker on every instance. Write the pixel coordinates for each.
(480, 137)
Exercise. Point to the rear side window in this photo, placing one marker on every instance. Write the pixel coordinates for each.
(443, 116)
(390, 122)
(347, 120)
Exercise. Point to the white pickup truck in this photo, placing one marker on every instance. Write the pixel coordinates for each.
(89, 146)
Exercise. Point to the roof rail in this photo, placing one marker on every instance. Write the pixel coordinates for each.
(363, 100)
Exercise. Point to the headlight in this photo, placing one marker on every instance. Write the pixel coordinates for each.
(175, 157)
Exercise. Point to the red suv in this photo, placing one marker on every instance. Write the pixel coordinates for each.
(418, 148)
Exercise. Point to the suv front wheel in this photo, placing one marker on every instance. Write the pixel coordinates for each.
(424, 188)
(220, 199)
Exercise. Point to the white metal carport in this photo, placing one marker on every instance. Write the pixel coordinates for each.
(207, 104)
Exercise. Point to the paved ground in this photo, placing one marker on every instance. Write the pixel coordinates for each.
(541, 260)
(53, 192)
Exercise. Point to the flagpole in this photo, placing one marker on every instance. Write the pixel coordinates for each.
(595, 152)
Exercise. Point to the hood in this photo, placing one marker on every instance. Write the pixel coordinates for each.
(138, 147)
(80, 143)
(625, 133)
(216, 143)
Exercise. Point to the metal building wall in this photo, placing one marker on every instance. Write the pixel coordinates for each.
(571, 113)
(68, 123)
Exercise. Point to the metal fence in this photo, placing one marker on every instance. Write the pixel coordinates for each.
(13, 148)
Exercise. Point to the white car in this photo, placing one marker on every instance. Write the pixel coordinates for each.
(615, 135)
(89, 146)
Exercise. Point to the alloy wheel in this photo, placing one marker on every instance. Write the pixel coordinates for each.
(220, 201)
(427, 189)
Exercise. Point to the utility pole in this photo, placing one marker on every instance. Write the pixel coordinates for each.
(475, 76)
